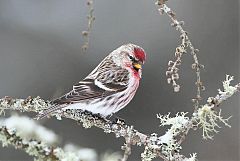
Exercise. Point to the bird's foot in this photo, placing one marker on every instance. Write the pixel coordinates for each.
(94, 115)
(98, 115)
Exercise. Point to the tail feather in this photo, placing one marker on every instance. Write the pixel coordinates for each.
(48, 111)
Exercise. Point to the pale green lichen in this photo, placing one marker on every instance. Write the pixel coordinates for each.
(193, 157)
(179, 121)
(208, 121)
(40, 151)
(65, 156)
(148, 154)
(33, 148)
(34, 130)
(169, 145)
(37, 104)
(29, 104)
(87, 123)
(4, 140)
(3, 105)
(168, 142)
(228, 90)
(208, 118)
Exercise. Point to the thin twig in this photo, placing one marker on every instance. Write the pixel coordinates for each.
(186, 43)
(91, 19)
(127, 145)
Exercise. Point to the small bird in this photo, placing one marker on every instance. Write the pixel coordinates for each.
(109, 87)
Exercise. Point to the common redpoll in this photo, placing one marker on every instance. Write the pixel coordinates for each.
(109, 87)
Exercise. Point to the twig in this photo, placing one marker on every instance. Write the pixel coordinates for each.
(127, 145)
(181, 49)
(172, 72)
(90, 18)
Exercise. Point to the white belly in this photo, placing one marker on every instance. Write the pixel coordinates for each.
(97, 108)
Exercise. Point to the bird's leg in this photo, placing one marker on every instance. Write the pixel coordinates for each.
(87, 112)
(97, 115)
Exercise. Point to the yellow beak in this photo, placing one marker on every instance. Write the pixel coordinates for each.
(137, 66)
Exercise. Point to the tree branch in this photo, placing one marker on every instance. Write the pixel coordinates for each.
(127, 146)
(165, 147)
(90, 18)
(172, 72)
(34, 148)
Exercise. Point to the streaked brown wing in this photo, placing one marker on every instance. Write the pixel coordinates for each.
(87, 90)
(112, 79)
(108, 72)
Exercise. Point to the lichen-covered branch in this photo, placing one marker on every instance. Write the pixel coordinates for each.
(39, 150)
(34, 130)
(172, 72)
(127, 146)
(166, 147)
(207, 117)
(204, 117)
(40, 138)
(88, 120)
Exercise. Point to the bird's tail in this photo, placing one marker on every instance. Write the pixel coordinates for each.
(44, 113)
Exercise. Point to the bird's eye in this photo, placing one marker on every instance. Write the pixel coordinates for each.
(131, 57)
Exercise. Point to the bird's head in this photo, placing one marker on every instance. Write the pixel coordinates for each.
(130, 57)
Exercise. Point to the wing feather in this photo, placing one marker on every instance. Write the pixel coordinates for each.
(112, 79)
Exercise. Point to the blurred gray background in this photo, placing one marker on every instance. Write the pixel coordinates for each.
(40, 55)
